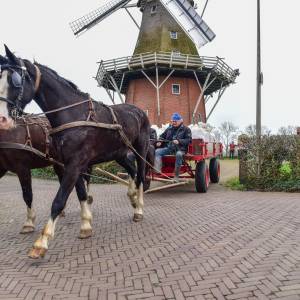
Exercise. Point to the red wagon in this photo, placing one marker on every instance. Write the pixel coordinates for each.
(194, 166)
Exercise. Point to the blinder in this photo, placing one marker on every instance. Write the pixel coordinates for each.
(16, 79)
(18, 82)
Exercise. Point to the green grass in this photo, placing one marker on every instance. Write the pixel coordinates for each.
(227, 158)
(234, 184)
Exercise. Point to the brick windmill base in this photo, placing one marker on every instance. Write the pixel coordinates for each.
(161, 83)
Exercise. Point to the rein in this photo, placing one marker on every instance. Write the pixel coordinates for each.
(90, 122)
(87, 123)
(18, 146)
(60, 108)
(7, 100)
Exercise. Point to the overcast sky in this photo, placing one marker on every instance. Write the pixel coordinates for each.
(39, 30)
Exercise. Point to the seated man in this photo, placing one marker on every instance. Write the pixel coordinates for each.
(178, 137)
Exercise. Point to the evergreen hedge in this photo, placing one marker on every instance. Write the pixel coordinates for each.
(279, 163)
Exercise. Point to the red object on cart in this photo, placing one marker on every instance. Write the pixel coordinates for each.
(194, 164)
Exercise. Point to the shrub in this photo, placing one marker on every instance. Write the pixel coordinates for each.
(111, 167)
(45, 173)
(235, 184)
(279, 163)
(285, 170)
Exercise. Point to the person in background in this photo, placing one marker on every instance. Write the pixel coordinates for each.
(175, 141)
(231, 150)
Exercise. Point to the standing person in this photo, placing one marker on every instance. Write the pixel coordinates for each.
(177, 138)
(231, 150)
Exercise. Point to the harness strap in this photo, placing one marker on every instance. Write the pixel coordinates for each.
(91, 115)
(86, 124)
(114, 117)
(47, 143)
(38, 78)
(6, 145)
(28, 135)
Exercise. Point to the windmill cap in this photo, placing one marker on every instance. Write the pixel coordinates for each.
(176, 117)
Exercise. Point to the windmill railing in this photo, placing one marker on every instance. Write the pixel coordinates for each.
(168, 59)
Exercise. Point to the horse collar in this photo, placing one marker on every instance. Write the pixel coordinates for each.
(37, 79)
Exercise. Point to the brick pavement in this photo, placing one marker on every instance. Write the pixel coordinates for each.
(219, 245)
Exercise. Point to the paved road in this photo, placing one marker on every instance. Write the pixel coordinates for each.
(219, 245)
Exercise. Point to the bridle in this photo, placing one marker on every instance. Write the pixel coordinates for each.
(18, 81)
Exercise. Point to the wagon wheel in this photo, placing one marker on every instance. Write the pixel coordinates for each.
(214, 170)
(201, 177)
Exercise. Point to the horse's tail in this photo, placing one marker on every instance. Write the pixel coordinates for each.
(150, 157)
(150, 162)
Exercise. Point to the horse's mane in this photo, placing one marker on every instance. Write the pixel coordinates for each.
(64, 81)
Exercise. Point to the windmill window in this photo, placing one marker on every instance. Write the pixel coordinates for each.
(153, 9)
(176, 89)
(173, 35)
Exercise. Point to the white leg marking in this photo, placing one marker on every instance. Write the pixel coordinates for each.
(47, 234)
(86, 216)
(132, 192)
(131, 187)
(140, 201)
(30, 218)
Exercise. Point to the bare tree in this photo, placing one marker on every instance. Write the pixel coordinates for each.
(209, 127)
(251, 130)
(228, 133)
(288, 130)
(215, 133)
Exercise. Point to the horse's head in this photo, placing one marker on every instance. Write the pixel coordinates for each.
(16, 88)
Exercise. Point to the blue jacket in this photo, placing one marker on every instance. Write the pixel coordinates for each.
(182, 133)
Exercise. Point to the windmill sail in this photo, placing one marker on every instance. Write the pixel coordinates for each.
(86, 22)
(187, 17)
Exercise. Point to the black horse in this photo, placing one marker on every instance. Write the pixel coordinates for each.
(77, 147)
(33, 133)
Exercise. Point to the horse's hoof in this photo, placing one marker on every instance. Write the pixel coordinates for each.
(37, 253)
(90, 199)
(137, 217)
(27, 229)
(84, 234)
(62, 214)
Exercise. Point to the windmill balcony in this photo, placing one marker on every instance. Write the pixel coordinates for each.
(123, 69)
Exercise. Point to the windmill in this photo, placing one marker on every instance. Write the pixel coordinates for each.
(165, 72)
